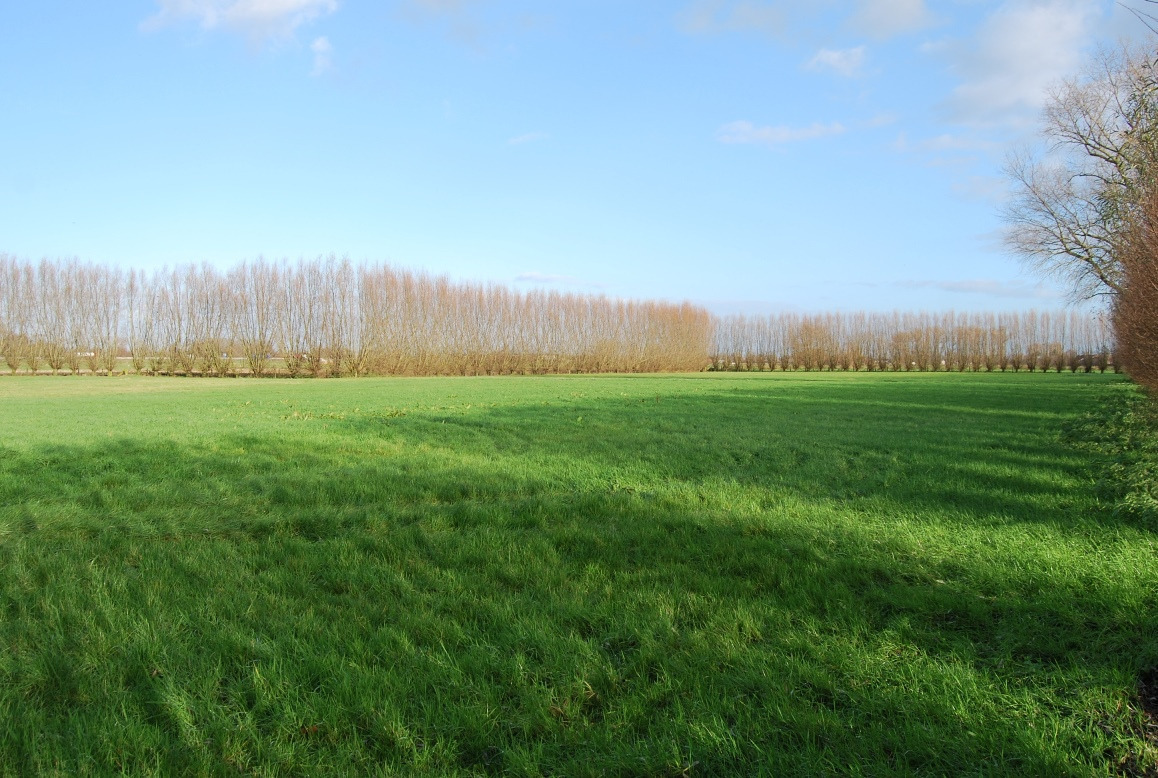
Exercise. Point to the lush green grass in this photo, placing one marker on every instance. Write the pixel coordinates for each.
(706, 575)
(1122, 434)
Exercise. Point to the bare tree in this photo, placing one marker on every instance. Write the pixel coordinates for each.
(254, 290)
(1073, 200)
(104, 288)
(140, 321)
(14, 318)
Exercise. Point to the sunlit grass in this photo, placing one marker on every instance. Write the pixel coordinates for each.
(707, 574)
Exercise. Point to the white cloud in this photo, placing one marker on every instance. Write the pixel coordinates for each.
(1022, 48)
(323, 55)
(746, 132)
(529, 137)
(846, 62)
(257, 19)
(886, 18)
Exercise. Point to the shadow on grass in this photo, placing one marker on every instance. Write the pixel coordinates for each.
(615, 587)
(994, 462)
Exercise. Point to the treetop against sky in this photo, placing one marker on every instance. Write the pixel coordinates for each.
(749, 156)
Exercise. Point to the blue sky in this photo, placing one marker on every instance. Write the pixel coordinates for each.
(750, 155)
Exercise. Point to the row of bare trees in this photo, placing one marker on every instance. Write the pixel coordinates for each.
(1033, 340)
(325, 317)
(328, 317)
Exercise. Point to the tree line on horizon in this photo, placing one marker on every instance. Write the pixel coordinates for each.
(325, 317)
(330, 317)
(923, 341)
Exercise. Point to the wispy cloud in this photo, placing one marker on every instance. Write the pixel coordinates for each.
(747, 132)
(529, 137)
(536, 277)
(259, 20)
(887, 18)
(990, 189)
(323, 55)
(845, 62)
(883, 119)
(951, 142)
(708, 16)
(876, 18)
(441, 6)
(989, 287)
(960, 154)
(455, 14)
(946, 142)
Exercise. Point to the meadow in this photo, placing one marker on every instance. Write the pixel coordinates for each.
(703, 574)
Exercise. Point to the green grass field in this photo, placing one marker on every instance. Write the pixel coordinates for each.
(772, 574)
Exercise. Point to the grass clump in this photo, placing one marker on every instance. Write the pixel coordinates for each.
(718, 574)
(1122, 435)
